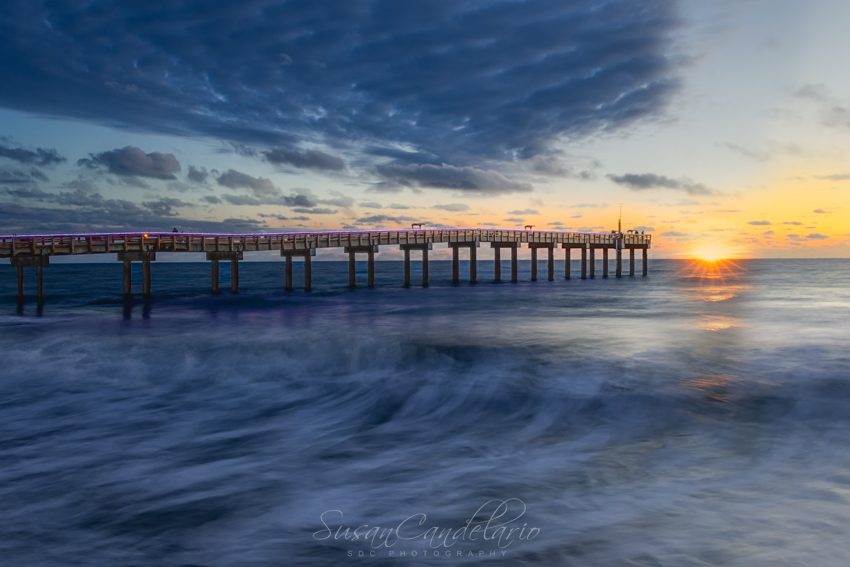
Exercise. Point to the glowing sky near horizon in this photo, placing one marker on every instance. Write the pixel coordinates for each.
(721, 124)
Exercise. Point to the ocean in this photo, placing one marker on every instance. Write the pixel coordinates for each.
(698, 416)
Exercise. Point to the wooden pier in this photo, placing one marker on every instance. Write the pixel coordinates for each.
(35, 250)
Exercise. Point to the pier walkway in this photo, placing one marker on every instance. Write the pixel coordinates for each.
(35, 250)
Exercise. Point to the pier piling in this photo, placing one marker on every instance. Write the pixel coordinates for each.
(369, 250)
(143, 256)
(497, 251)
(631, 262)
(584, 262)
(605, 262)
(473, 260)
(307, 254)
(215, 258)
(424, 247)
(592, 261)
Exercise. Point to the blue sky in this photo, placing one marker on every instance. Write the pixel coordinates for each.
(708, 121)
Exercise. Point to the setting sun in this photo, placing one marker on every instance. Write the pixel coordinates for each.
(710, 253)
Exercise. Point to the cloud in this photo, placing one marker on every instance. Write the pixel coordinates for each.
(760, 223)
(164, 206)
(84, 209)
(646, 181)
(315, 210)
(458, 80)
(746, 152)
(305, 159)
(282, 217)
(385, 219)
(197, 174)
(466, 178)
(793, 223)
(524, 212)
(371, 205)
(820, 212)
(816, 236)
(40, 156)
(835, 177)
(130, 161)
(452, 207)
(15, 176)
(259, 186)
(338, 200)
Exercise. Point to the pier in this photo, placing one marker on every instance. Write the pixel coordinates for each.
(35, 251)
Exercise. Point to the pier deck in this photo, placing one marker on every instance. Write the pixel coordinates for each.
(35, 250)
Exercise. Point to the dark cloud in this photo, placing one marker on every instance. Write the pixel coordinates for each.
(197, 174)
(164, 206)
(646, 181)
(452, 207)
(460, 80)
(305, 159)
(816, 236)
(524, 212)
(794, 223)
(40, 156)
(461, 178)
(263, 191)
(83, 209)
(371, 205)
(259, 186)
(760, 223)
(820, 212)
(130, 161)
(314, 210)
(15, 176)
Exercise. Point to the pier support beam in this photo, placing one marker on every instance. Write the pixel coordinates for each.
(631, 262)
(619, 265)
(584, 262)
(127, 258)
(605, 262)
(424, 247)
(234, 258)
(30, 261)
(473, 261)
(568, 248)
(645, 261)
(497, 250)
(550, 246)
(592, 261)
(307, 254)
(370, 250)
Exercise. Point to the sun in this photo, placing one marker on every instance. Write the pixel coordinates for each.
(710, 253)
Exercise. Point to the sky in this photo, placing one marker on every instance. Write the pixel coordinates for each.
(719, 126)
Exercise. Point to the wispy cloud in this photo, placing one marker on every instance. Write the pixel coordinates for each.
(647, 181)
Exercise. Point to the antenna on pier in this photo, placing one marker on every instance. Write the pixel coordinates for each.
(620, 220)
